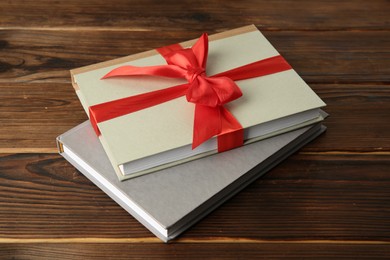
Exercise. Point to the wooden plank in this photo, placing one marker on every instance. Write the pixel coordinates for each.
(359, 119)
(39, 112)
(319, 57)
(306, 198)
(152, 15)
(275, 250)
(33, 115)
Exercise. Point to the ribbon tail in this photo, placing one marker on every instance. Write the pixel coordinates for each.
(93, 120)
(232, 134)
(212, 121)
(207, 123)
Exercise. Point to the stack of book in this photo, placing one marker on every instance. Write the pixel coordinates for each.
(144, 159)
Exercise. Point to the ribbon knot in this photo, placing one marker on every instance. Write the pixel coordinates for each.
(193, 73)
(190, 63)
(209, 93)
(212, 92)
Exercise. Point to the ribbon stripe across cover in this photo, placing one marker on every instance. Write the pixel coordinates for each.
(208, 93)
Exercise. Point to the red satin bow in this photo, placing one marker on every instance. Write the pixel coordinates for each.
(208, 93)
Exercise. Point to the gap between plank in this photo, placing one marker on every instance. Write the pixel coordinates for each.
(54, 150)
(143, 29)
(188, 240)
(345, 153)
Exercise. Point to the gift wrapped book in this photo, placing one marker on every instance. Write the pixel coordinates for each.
(230, 101)
(164, 107)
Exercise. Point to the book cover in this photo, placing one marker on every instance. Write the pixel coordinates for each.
(160, 136)
(171, 200)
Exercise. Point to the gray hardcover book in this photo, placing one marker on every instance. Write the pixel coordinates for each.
(169, 201)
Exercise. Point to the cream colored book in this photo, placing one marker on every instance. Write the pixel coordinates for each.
(161, 136)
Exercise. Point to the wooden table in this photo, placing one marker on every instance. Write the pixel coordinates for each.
(331, 199)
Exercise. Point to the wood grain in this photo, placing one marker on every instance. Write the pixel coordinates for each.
(359, 118)
(154, 15)
(194, 251)
(319, 57)
(330, 200)
(38, 113)
(313, 198)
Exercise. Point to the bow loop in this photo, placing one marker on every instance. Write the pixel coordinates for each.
(201, 50)
(190, 58)
(184, 58)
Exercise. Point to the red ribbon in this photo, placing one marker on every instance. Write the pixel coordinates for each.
(209, 93)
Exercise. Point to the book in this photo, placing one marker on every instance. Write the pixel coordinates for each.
(173, 199)
(160, 136)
